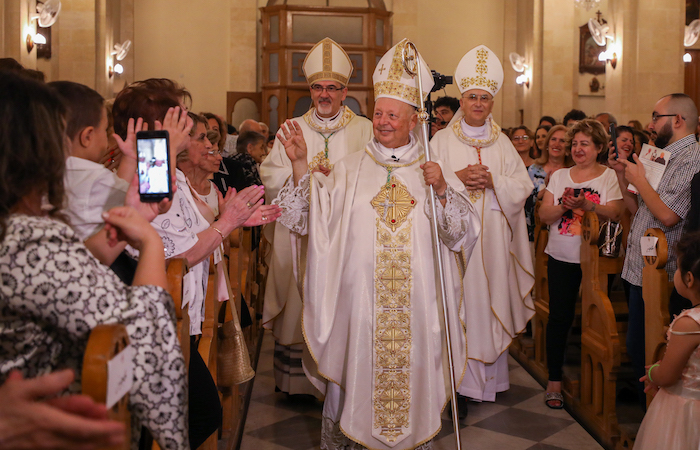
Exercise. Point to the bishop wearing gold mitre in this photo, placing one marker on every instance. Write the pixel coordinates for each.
(497, 304)
(371, 317)
(331, 131)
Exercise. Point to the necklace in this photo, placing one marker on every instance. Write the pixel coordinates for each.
(390, 167)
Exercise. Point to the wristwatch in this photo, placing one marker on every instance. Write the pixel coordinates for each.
(443, 196)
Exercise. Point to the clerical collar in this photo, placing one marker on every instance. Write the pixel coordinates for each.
(330, 125)
(479, 137)
(481, 132)
(329, 122)
(396, 154)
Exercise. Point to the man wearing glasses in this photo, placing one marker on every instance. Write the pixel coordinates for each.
(499, 274)
(331, 131)
(674, 120)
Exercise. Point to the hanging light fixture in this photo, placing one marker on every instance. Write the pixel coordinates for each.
(587, 4)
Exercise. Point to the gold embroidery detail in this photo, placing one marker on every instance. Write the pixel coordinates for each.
(348, 115)
(393, 85)
(320, 160)
(475, 194)
(396, 89)
(327, 76)
(393, 335)
(495, 134)
(393, 203)
(482, 69)
(327, 56)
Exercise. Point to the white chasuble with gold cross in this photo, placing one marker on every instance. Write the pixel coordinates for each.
(327, 141)
(500, 274)
(371, 317)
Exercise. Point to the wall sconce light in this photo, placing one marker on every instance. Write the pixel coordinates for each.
(608, 56)
(118, 69)
(34, 39)
(687, 57)
(523, 79)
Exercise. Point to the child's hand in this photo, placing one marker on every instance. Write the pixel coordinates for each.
(128, 147)
(649, 386)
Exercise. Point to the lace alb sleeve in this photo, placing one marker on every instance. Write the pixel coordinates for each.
(294, 201)
(452, 226)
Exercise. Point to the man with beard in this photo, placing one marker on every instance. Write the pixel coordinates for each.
(331, 131)
(674, 120)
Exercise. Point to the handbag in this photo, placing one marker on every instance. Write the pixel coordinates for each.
(233, 364)
(233, 359)
(610, 239)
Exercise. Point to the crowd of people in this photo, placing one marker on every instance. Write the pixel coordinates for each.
(345, 202)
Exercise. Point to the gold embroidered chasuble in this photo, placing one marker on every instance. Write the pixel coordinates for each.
(499, 273)
(348, 133)
(371, 317)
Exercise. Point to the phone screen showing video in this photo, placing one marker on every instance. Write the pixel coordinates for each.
(153, 166)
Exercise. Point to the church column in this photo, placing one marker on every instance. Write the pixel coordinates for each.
(650, 34)
(559, 58)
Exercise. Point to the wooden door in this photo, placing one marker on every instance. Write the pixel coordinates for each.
(692, 76)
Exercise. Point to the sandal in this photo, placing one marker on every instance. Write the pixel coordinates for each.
(550, 399)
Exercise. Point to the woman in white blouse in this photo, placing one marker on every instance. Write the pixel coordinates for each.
(587, 186)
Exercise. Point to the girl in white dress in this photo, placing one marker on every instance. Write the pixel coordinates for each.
(671, 422)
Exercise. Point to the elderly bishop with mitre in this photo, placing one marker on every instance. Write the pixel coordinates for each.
(499, 273)
(331, 131)
(371, 317)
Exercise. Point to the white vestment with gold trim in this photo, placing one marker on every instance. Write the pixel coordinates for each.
(346, 133)
(499, 275)
(371, 318)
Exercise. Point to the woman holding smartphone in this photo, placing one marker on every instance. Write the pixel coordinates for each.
(587, 186)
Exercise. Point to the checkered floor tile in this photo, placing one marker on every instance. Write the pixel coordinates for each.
(518, 420)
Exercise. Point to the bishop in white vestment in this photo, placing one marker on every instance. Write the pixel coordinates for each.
(331, 131)
(499, 274)
(371, 318)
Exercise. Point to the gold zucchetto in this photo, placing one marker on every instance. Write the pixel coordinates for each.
(480, 68)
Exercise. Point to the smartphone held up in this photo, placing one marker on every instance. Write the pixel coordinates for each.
(153, 148)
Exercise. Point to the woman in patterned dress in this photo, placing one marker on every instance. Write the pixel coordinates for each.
(53, 291)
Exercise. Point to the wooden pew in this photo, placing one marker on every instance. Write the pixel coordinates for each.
(541, 299)
(602, 339)
(104, 343)
(656, 291)
(176, 270)
(208, 343)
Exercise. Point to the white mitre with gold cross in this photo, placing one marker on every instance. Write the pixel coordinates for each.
(391, 79)
(480, 68)
(327, 61)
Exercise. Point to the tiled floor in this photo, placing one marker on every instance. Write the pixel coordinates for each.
(517, 420)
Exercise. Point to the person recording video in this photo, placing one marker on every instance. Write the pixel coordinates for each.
(445, 108)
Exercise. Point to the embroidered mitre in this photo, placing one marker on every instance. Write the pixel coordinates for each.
(391, 79)
(480, 68)
(327, 61)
